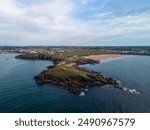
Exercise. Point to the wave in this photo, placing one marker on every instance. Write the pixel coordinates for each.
(120, 86)
(133, 91)
(82, 94)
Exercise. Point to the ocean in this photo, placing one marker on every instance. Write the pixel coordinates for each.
(20, 93)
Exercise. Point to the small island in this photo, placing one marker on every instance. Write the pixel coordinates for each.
(65, 71)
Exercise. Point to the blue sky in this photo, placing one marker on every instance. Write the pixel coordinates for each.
(75, 22)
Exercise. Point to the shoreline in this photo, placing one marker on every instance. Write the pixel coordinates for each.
(105, 57)
(66, 72)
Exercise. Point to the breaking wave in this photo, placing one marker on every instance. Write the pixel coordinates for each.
(120, 86)
(133, 91)
(82, 94)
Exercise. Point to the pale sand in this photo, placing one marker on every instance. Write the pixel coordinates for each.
(104, 56)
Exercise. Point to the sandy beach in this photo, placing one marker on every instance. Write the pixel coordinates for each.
(104, 56)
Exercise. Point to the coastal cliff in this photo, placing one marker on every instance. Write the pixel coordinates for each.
(70, 77)
(66, 73)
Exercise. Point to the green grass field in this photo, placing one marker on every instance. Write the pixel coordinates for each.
(65, 71)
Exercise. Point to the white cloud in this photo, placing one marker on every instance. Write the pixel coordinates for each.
(52, 23)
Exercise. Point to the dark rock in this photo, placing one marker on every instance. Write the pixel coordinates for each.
(78, 82)
(74, 91)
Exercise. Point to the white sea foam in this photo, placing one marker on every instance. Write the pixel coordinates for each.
(86, 89)
(118, 81)
(133, 91)
(82, 94)
(120, 85)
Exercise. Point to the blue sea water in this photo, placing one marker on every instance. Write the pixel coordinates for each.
(20, 93)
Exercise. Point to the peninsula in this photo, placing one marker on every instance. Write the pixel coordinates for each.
(66, 72)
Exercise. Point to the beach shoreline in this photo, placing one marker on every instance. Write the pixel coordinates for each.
(105, 57)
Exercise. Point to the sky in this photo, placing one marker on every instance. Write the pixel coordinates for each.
(75, 22)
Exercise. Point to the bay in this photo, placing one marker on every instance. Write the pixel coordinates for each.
(20, 93)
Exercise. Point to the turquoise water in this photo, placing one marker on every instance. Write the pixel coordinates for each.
(20, 93)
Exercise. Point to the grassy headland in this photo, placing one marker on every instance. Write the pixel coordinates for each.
(65, 71)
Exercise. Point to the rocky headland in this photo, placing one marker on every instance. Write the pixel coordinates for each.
(66, 71)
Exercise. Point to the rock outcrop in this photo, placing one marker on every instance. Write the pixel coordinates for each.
(66, 73)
